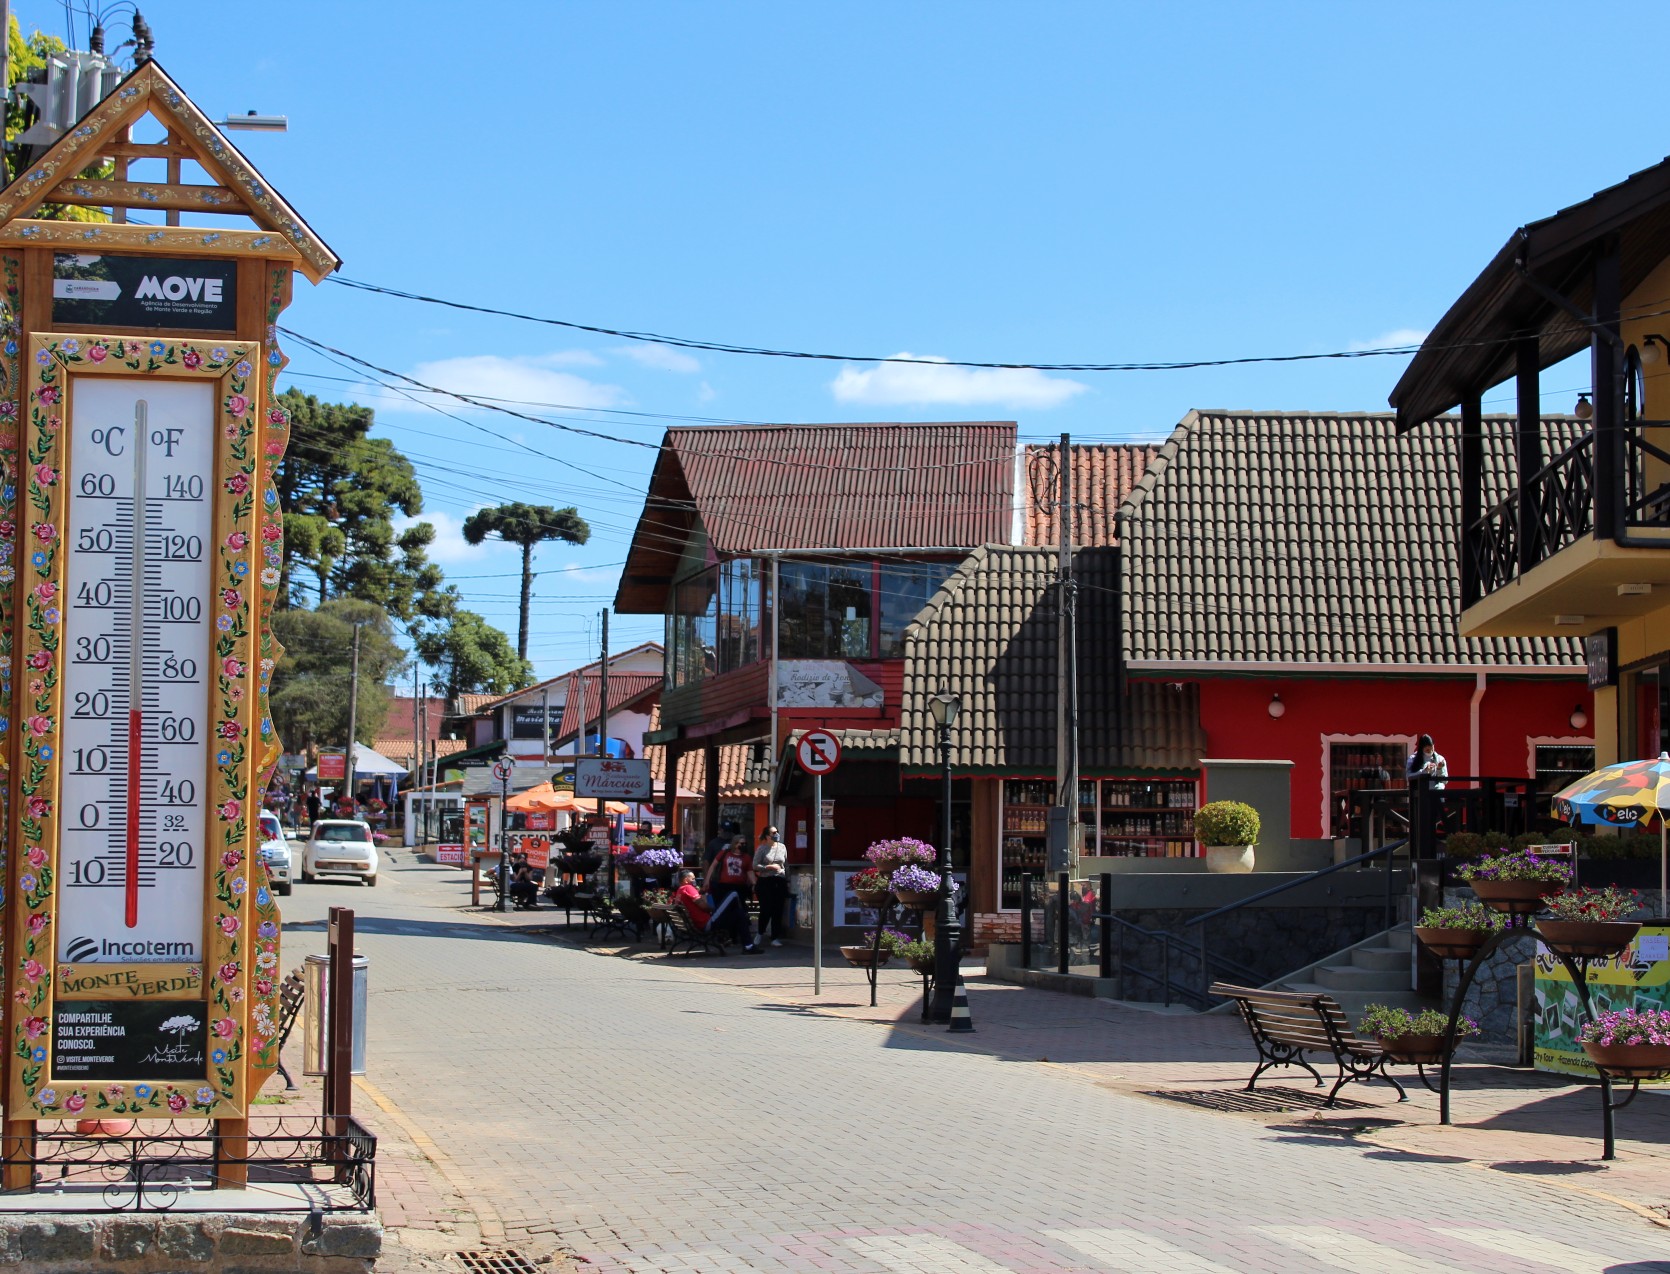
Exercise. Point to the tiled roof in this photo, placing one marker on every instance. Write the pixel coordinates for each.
(469, 705)
(399, 747)
(1317, 539)
(1102, 477)
(989, 635)
(811, 487)
(740, 777)
(481, 703)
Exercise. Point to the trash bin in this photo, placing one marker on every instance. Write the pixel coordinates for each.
(315, 1023)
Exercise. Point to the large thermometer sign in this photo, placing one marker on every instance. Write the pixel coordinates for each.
(136, 728)
(144, 951)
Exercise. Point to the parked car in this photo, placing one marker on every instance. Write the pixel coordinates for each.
(275, 852)
(340, 847)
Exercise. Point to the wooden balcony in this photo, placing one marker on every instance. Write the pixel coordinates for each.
(1584, 543)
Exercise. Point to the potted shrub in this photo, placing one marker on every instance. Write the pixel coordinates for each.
(874, 888)
(1456, 933)
(915, 886)
(1518, 881)
(1414, 1039)
(918, 953)
(887, 856)
(1589, 923)
(1229, 830)
(862, 957)
(1630, 1043)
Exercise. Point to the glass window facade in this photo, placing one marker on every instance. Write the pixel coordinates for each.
(720, 616)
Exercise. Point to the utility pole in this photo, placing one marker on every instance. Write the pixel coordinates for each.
(603, 736)
(417, 725)
(353, 713)
(422, 771)
(1066, 670)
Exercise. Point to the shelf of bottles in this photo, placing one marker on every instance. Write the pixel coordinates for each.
(1121, 818)
(1358, 764)
(1561, 764)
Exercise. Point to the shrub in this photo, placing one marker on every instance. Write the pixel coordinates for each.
(1529, 840)
(1467, 915)
(871, 881)
(1383, 1022)
(919, 949)
(1226, 823)
(1594, 904)
(1463, 846)
(892, 940)
(1522, 865)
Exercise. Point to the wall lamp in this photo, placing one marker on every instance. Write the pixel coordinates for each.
(1579, 718)
(1584, 409)
(1277, 707)
(1654, 349)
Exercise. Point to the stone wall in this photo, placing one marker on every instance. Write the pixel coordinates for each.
(1493, 999)
(175, 1243)
(1270, 942)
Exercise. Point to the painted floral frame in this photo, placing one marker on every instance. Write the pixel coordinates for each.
(236, 889)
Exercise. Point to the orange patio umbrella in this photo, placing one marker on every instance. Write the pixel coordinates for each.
(545, 797)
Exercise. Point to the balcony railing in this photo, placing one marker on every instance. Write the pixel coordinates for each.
(1562, 495)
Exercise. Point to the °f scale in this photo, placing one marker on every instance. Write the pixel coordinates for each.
(136, 649)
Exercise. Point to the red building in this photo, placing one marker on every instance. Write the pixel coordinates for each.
(788, 561)
(1302, 570)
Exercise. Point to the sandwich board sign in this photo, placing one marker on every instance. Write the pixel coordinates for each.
(141, 542)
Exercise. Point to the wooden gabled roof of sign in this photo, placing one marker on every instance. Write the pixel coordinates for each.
(104, 134)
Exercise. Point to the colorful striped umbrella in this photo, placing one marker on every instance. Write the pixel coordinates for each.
(1624, 795)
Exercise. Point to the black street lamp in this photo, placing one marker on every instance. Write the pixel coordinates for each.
(948, 934)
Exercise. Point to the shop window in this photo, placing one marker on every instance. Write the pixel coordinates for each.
(1354, 763)
(826, 611)
(717, 621)
(1559, 762)
(903, 590)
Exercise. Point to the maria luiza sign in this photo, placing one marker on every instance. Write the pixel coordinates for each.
(613, 778)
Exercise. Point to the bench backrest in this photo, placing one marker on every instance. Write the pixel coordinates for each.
(1306, 1020)
(679, 919)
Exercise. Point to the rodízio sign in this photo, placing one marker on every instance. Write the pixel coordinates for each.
(623, 780)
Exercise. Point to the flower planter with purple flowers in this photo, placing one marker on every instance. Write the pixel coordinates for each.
(887, 856)
(915, 886)
(1517, 883)
(1629, 1043)
(656, 862)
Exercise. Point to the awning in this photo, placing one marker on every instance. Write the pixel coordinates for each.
(545, 798)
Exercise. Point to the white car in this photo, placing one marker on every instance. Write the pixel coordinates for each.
(340, 847)
(275, 852)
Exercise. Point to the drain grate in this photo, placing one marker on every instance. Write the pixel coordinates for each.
(1271, 1101)
(507, 1262)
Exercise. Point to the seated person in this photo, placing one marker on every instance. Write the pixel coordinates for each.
(690, 898)
(524, 890)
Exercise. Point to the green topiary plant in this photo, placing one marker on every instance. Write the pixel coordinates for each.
(1226, 823)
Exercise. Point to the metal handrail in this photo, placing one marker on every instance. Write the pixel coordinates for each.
(1391, 847)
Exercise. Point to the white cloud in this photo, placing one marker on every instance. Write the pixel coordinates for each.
(1394, 339)
(663, 358)
(706, 393)
(571, 573)
(532, 379)
(935, 381)
(451, 551)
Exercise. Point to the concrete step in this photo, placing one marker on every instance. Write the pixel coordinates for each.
(1345, 977)
(1385, 959)
(1399, 939)
(1354, 1002)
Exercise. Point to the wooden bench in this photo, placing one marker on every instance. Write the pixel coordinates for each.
(688, 938)
(1285, 1025)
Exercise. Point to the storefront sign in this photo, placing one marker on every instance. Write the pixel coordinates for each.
(535, 847)
(597, 835)
(130, 1040)
(333, 765)
(1600, 652)
(450, 854)
(530, 722)
(539, 820)
(621, 780)
(105, 292)
(1637, 978)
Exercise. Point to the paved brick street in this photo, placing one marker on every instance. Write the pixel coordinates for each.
(656, 1115)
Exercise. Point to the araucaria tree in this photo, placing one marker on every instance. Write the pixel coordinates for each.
(526, 525)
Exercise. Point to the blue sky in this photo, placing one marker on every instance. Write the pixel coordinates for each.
(1049, 182)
